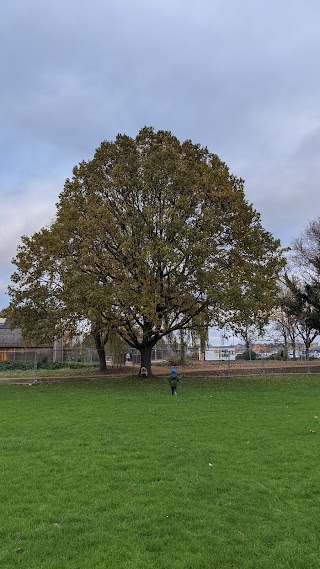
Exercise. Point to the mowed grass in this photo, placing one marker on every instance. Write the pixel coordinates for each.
(119, 474)
(43, 373)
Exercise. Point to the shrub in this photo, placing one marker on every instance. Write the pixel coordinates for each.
(41, 364)
(249, 355)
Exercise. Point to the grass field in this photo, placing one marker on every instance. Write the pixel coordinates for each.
(119, 474)
(30, 374)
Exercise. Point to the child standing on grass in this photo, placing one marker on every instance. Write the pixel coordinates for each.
(173, 381)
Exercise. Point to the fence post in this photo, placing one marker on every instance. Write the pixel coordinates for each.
(35, 381)
(87, 356)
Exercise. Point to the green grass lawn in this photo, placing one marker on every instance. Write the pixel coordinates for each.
(119, 474)
(45, 373)
(81, 371)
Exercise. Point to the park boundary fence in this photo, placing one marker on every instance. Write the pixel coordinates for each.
(27, 354)
(87, 355)
(86, 359)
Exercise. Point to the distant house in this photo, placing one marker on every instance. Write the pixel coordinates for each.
(14, 348)
(219, 353)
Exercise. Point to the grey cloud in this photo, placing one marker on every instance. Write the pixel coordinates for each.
(25, 215)
(239, 77)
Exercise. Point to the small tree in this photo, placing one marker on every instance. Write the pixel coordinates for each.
(306, 252)
(299, 307)
(303, 285)
(285, 323)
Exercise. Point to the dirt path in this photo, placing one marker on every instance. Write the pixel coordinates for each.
(196, 369)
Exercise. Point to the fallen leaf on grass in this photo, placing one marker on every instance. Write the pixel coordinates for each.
(57, 525)
(316, 417)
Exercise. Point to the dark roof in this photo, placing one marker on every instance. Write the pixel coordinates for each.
(4, 323)
(11, 338)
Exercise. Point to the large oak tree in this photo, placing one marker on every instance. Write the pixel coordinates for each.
(150, 234)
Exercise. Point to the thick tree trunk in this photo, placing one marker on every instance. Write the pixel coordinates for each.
(145, 352)
(102, 359)
(101, 351)
(182, 348)
(307, 351)
(248, 349)
(286, 346)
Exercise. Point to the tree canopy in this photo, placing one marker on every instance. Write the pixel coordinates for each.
(301, 295)
(148, 235)
(298, 305)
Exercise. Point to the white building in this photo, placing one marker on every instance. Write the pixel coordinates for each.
(225, 353)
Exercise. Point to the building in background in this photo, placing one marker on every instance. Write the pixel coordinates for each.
(218, 353)
(14, 348)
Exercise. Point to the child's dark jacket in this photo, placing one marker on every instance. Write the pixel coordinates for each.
(173, 380)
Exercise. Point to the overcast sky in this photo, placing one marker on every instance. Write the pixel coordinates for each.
(241, 77)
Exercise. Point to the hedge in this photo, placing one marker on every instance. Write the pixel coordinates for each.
(25, 365)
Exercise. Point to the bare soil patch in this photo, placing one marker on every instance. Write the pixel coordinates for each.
(195, 369)
(234, 368)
